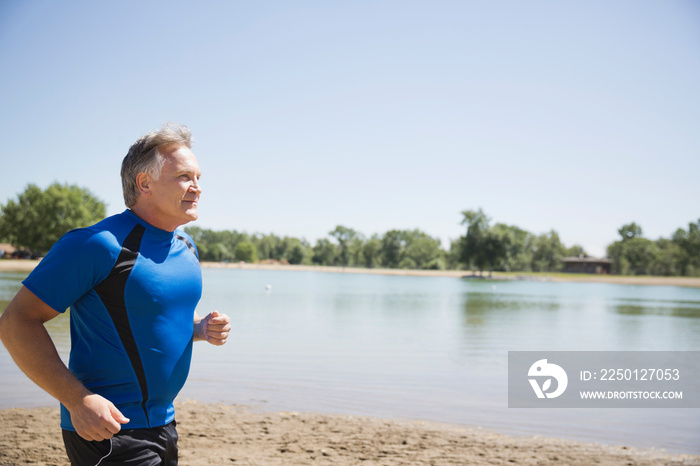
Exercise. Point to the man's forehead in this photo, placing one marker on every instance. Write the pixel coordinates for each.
(180, 156)
(169, 149)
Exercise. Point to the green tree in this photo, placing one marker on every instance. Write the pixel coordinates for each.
(37, 219)
(293, 251)
(217, 252)
(630, 231)
(688, 243)
(324, 252)
(422, 251)
(474, 249)
(266, 245)
(496, 246)
(392, 248)
(371, 252)
(639, 256)
(408, 249)
(547, 252)
(668, 259)
(575, 251)
(633, 254)
(300, 253)
(453, 256)
(349, 244)
(517, 242)
(245, 251)
(356, 251)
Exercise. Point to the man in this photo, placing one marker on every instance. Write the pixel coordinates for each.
(132, 282)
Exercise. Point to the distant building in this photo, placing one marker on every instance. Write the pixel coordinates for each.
(586, 264)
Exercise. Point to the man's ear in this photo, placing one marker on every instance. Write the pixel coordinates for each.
(143, 183)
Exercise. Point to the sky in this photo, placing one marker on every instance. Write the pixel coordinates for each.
(577, 117)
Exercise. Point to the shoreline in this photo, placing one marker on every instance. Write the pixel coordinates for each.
(693, 282)
(26, 265)
(235, 434)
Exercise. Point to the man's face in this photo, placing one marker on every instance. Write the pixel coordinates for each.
(175, 193)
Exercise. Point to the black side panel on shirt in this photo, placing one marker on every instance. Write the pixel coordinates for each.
(111, 292)
(190, 246)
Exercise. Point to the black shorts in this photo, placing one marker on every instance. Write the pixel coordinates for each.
(156, 446)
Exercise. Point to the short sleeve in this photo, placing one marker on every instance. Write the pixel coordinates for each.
(75, 264)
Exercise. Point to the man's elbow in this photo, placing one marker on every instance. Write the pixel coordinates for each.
(10, 320)
(4, 325)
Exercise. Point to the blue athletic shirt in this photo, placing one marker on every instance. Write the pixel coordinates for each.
(132, 290)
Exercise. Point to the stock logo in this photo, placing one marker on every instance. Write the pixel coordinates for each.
(544, 371)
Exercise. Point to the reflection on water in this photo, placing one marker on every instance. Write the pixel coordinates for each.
(672, 308)
(480, 306)
(489, 302)
(419, 347)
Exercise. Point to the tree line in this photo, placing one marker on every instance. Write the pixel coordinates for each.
(508, 248)
(39, 217)
(500, 247)
(345, 247)
(633, 254)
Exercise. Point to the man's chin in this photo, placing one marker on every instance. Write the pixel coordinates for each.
(190, 215)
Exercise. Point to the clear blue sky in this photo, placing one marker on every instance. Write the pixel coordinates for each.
(573, 116)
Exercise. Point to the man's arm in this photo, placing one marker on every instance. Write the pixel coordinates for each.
(26, 339)
(214, 328)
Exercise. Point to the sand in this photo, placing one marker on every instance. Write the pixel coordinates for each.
(9, 265)
(17, 265)
(214, 434)
(558, 277)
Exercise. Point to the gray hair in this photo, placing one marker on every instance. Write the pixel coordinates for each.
(144, 157)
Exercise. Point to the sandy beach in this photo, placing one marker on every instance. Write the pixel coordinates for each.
(17, 265)
(214, 434)
(558, 277)
(28, 265)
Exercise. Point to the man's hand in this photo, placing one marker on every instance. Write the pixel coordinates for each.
(214, 328)
(96, 418)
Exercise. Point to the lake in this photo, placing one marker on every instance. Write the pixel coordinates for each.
(433, 348)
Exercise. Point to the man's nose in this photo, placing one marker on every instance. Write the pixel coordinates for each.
(195, 187)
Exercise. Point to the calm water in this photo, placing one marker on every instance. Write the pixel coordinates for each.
(418, 347)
